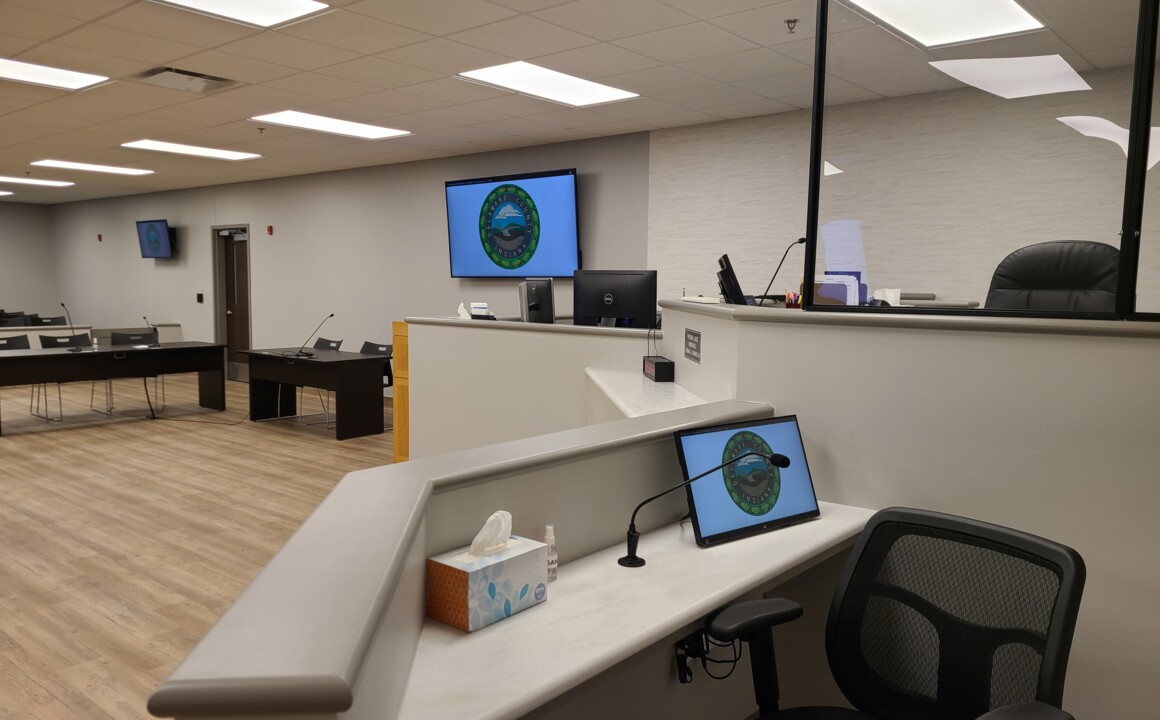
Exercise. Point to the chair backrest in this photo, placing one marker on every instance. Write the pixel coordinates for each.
(15, 342)
(57, 320)
(12, 313)
(324, 344)
(59, 341)
(122, 338)
(14, 321)
(938, 616)
(1071, 275)
(387, 351)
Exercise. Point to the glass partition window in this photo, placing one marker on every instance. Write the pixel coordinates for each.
(976, 164)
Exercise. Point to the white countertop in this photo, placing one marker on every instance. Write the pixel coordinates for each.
(599, 614)
(634, 394)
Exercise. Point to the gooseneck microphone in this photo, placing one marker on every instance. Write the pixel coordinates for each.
(157, 342)
(302, 351)
(634, 560)
(71, 329)
(799, 241)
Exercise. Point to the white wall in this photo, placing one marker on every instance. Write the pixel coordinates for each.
(944, 185)
(369, 245)
(28, 260)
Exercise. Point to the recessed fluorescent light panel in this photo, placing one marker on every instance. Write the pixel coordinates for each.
(66, 165)
(548, 84)
(44, 75)
(263, 13)
(951, 21)
(293, 118)
(189, 150)
(33, 181)
(1015, 77)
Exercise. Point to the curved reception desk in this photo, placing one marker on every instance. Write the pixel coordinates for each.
(334, 626)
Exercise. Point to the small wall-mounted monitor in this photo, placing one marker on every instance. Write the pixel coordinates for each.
(617, 298)
(157, 239)
(514, 225)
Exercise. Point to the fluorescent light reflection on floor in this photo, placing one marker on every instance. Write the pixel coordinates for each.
(1015, 77)
(293, 118)
(942, 22)
(548, 84)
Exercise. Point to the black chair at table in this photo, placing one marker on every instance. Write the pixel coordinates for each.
(80, 340)
(58, 320)
(1064, 275)
(936, 617)
(141, 338)
(319, 344)
(14, 321)
(374, 348)
(14, 342)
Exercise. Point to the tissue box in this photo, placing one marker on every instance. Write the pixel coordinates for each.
(469, 592)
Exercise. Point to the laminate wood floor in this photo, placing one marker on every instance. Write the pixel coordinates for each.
(123, 539)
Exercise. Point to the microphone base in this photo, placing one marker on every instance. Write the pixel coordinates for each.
(76, 349)
(302, 354)
(632, 561)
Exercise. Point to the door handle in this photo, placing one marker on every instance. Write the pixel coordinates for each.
(229, 312)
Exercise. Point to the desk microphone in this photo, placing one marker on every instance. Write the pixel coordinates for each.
(71, 331)
(302, 351)
(157, 343)
(634, 560)
(799, 241)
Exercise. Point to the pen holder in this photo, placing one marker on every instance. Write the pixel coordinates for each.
(792, 304)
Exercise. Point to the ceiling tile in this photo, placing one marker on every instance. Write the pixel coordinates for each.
(122, 43)
(398, 103)
(419, 124)
(84, 60)
(323, 86)
(478, 136)
(744, 65)
(1056, 13)
(517, 126)
(270, 99)
(638, 108)
(785, 84)
(80, 9)
(453, 90)
(709, 97)
(766, 25)
(1041, 42)
(35, 24)
(705, 9)
(516, 105)
(131, 95)
(362, 34)
(12, 45)
(438, 17)
(445, 57)
(684, 43)
(347, 110)
(594, 62)
(205, 112)
(614, 19)
(1101, 35)
(680, 118)
(620, 127)
(379, 72)
(575, 118)
(242, 69)
(460, 115)
(535, 37)
(655, 81)
(9, 104)
(914, 85)
(165, 21)
(1117, 57)
(871, 42)
(752, 109)
(286, 50)
(834, 96)
(885, 69)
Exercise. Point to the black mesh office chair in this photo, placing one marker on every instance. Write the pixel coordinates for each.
(374, 348)
(139, 338)
(14, 342)
(935, 617)
(81, 340)
(1069, 275)
(319, 344)
(57, 320)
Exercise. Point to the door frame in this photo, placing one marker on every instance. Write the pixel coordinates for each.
(219, 234)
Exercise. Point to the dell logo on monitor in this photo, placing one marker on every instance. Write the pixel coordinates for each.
(608, 299)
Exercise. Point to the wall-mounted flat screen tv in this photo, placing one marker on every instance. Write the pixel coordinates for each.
(514, 226)
(157, 239)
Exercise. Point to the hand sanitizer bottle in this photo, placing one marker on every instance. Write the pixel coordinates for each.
(550, 541)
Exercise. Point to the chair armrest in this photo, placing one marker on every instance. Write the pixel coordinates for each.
(1027, 711)
(744, 618)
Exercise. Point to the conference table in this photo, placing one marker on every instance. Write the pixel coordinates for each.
(355, 379)
(59, 365)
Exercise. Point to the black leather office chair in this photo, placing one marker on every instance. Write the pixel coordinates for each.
(138, 338)
(936, 617)
(1068, 275)
(319, 344)
(81, 340)
(57, 320)
(15, 342)
(374, 348)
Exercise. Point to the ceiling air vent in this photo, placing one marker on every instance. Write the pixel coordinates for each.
(176, 79)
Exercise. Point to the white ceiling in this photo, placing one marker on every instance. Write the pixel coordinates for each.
(392, 62)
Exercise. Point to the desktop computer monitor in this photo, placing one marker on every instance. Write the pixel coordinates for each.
(618, 298)
(727, 281)
(536, 301)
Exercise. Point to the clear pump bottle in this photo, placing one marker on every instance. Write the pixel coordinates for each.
(550, 541)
